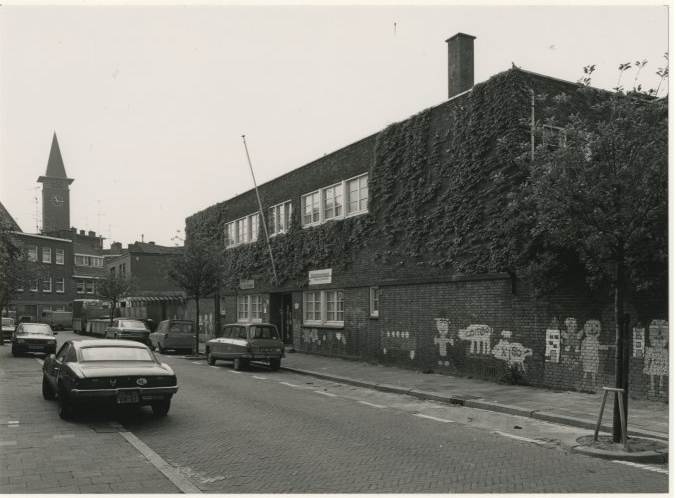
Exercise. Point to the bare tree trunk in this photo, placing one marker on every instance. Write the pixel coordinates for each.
(621, 353)
(197, 326)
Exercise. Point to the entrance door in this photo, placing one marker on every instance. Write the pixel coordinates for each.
(281, 307)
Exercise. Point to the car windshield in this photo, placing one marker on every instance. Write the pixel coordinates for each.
(7, 322)
(262, 332)
(34, 328)
(132, 324)
(115, 353)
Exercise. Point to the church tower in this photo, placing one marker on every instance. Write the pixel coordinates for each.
(55, 192)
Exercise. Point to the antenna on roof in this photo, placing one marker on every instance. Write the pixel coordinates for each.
(260, 207)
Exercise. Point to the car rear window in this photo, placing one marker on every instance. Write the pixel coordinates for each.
(262, 332)
(176, 328)
(34, 328)
(7, 322)
(132, 324)
(112, 353)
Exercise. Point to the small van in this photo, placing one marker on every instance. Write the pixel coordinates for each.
(242, 343)
(173, 334)
(57, 320)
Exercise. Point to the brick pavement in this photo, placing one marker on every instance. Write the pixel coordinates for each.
(40, 453)
(647, 419)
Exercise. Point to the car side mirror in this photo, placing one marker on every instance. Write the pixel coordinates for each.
(51, 356)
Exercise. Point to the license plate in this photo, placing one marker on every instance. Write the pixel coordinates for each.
(36, 346)
(267, 350)
(127, 397)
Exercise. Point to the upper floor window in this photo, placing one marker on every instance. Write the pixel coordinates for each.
(357, 195)
(47, 285)
(46, 254)
(242, 231)
(279, 218)
(60, 256)
(88, 260)
(32, 252)
(59, 285)
(34, 285)
(337, 201)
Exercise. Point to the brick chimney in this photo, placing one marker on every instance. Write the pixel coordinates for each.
(460, 63)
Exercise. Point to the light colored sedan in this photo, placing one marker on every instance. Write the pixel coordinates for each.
(173, 334)
(242, 343)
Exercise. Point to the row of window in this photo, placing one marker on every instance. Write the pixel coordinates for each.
(59, 259)
(82, 286)
(347, 198)
(325, 307)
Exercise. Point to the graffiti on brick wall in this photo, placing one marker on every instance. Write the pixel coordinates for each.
(589, 354)
(442, 340)
(513, 353)
(479, 337)
(553, 346)
(311, 336)
(571, 335)
(639, 342)
(207, 324)
(656, 362)
(398, 341)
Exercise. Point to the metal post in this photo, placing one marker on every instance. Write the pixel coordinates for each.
(619, 398)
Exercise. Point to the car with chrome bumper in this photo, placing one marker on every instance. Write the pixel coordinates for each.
(107, 373)
(128, 328)
(33, 338)
(8, 327)
(242, 343)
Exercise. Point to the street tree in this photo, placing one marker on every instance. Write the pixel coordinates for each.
(196, 270)
(113, 288)
(603, 197)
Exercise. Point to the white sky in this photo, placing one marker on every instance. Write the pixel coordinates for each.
(149, 103)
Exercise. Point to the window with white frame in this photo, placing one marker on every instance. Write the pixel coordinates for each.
(332, 201)
(357, 195)
(375, 298)
(32, 252)
(79, 286)
(59, 285)
(46, 254)
(89, 286)
(47, 285)
(20, 286)
(323, 307)
(250, 308)
(348, 198)
(242, 231)
(60, 256)
(310, 206)
(88, 260)
(279, 218)
(34, 285)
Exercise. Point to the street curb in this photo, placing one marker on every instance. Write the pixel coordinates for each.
(545, 416)
(638, 457)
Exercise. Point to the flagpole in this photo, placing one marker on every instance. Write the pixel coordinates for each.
(262, 215)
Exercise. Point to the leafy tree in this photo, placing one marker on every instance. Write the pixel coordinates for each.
(196, 270)
(602, 197)
(16, 271)
(114, 287)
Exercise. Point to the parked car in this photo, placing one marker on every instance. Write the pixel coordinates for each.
(245, 342)
(33, 338)
(107, 372)
(8, 327)
(173, 334)
(128, 328)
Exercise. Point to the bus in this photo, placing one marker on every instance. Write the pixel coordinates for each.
(85, 310)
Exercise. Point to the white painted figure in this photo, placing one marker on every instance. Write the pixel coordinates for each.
(571, 335)
(590, 353)
(480, 337)
(514, 353)
(442, 340)
(657, 355)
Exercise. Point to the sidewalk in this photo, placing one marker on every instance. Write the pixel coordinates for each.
(646, 419)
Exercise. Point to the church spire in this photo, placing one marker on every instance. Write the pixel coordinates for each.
(55, 167)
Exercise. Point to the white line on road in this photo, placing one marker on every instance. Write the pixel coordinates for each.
(520, 438)
(261, 378)
(179, 481)
(197, 362)
(212, 366)
(234, 372)
(643, 466)
(40, 361)
(432, 418)
(63, 436)
(287, 384)
(371, 404)
(7, 443)
(326, 394)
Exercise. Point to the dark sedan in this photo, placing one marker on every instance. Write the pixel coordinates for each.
(128, 328)
(33, 338)
(107, 372)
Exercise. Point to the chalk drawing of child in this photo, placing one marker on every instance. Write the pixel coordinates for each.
(442, 340)
(571, 336)
(657, 355)
(590, 353)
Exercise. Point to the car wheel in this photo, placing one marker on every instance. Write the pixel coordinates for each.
(15, 352)
(64, 404)
(115, 336)
(275, 364)
(161, 408)
(239, 364)
(210, 358)
(47, 391)
(161, 349)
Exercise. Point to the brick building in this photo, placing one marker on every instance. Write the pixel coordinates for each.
(380, 250)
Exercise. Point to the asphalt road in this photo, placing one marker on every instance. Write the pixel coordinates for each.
(259, 431)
